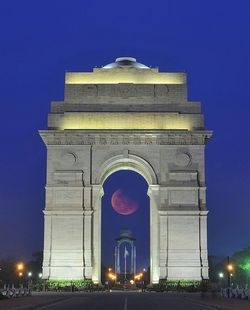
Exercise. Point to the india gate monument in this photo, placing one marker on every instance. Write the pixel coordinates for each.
(125, 115)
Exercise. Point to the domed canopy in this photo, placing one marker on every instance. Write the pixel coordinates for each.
(125, 62)
(125, 234)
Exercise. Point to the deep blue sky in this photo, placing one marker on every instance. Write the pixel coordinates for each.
(40, 40)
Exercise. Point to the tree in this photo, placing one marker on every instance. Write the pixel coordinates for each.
(240, 261)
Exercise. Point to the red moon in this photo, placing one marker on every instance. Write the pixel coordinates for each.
(123, 204)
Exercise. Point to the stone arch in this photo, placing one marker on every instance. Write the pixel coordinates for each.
(141, 166)
(130, 162)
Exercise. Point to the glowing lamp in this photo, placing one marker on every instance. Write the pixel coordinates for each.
(20, 266)
(230, 267)
(221, 275)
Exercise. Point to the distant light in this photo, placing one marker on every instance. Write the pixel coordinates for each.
(29, 274)
(230, 267)
(221, 275)
(132, 282)
(144, 270)
(231, 274)
(20, 274)
(20, 266)
(40, 275)
(112, 276)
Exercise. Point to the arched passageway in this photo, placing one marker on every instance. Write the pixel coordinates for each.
(125, 205)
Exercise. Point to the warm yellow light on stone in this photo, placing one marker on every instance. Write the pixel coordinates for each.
(116, 76)
(125, 121)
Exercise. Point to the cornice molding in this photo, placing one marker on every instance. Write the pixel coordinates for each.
(122, 137)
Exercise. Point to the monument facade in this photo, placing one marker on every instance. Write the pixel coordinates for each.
(125, 115)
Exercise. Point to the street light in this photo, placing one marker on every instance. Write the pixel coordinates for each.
(112, 276)
(20, 266)
(40, 275)
(230, 267)
(20, 269)
(229, 274)
(221, 275)
(29, 280)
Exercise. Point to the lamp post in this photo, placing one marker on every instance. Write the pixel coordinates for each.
(20, 270)
(29, 279)
(229, 272)
(221, 276)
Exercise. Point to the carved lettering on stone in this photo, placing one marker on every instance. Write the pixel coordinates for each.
(103, 141)
(148, 141)
(114, 141)
(137, 140)
(125, 140)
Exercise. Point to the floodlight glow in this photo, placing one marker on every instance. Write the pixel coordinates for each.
(115, 120)
(117, 76)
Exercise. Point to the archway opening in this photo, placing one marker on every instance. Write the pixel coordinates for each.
(125, 244)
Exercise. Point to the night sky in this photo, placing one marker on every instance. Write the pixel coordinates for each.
(40, 40)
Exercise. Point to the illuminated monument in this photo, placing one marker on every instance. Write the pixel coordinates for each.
(125, 116)
(127, 238)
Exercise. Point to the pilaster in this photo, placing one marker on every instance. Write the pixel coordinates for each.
(154, 194)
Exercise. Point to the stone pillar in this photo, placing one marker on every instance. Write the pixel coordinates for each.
(47, 244)
(154, 193)
(203, 245)
(88, 244)
(97, 193)
(163, 243)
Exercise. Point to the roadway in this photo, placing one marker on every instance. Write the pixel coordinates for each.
(125, 301)
(122, 301)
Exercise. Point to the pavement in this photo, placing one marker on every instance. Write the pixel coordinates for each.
(123, 301)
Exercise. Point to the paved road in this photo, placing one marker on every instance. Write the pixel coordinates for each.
(125, 301)
(122, 301)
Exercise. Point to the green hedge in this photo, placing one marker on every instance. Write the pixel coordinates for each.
(180, 285)
(68, 285)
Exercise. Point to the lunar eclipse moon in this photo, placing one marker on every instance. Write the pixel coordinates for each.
(122, 203)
